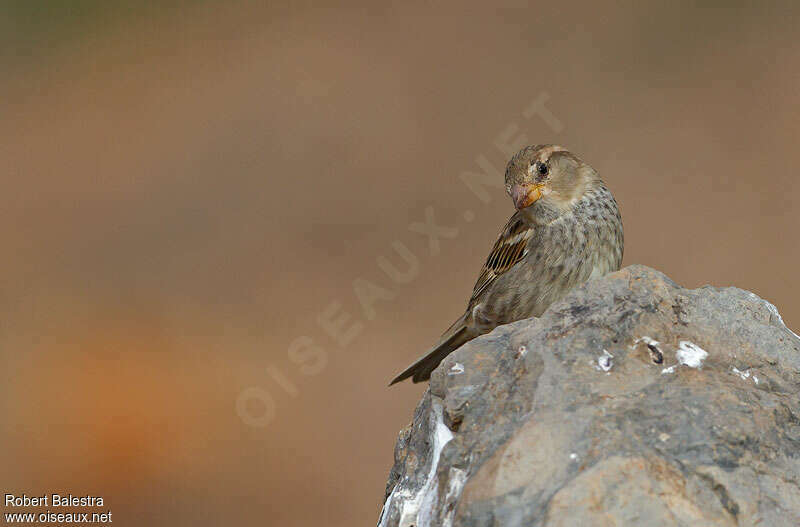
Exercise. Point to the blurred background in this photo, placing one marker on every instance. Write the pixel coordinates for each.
(191, 189)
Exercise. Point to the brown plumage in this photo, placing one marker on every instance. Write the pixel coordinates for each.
(566, 230)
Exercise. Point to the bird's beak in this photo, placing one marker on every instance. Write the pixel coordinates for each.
(525, 195)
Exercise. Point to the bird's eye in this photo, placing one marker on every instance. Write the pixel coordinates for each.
(542, 169)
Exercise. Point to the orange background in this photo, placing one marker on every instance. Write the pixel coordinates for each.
(186, 188)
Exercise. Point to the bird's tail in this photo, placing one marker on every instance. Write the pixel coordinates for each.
(421, 369)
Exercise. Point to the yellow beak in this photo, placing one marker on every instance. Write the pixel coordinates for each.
(526, 195)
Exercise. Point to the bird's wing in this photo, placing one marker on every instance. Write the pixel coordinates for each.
(511, 247)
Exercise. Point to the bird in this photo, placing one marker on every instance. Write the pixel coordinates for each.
(566, 230)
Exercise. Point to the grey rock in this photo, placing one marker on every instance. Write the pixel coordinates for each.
(633, 401)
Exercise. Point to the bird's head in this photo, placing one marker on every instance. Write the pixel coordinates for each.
(547, 180)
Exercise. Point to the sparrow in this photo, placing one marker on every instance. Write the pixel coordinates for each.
(566, 230)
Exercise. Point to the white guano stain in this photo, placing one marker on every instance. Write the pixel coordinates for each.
(456, 369)
(690, 354)
(605, 362)
(416, 507)
(743, 374)
(455, 484)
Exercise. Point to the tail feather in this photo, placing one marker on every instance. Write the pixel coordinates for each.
(421, 369)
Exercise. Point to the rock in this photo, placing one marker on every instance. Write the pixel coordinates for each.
(633, 401)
